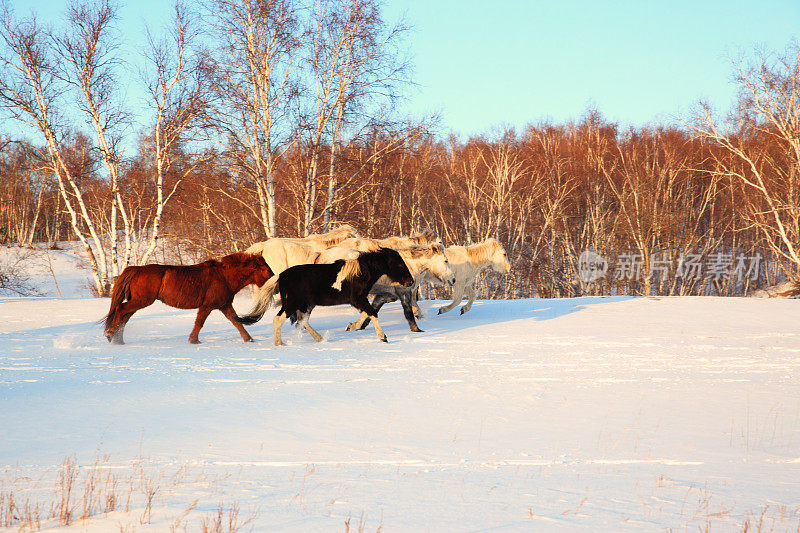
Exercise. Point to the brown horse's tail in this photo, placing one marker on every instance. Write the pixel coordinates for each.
(265, 298)
(119, 294)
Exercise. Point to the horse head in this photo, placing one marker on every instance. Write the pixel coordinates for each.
(498, 257)
(440, 266)
(261, 270)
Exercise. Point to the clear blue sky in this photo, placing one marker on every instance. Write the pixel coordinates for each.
(486, 63)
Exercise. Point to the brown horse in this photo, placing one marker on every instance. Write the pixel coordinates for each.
(206, 286)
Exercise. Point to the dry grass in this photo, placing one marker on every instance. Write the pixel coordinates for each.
(225, 520)
(78, 494)
(773, 518)
(23, 515)
(361, 526)
(81, 493)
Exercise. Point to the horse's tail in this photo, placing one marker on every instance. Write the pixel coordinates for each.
(265, 297)
(119, 294)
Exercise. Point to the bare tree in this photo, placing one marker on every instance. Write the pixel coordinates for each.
(88, 48)
(352, 59)
(177, 91)
(763, 143)
(30, 91)
(253, 69)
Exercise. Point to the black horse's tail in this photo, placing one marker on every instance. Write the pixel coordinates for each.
(119, 294)
(265, 298)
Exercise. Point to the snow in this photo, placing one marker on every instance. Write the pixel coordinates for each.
(574, 414)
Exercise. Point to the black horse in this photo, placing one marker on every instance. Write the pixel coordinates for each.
(304, 287)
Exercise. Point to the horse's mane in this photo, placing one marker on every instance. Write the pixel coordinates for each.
(334, 236)
(361, 244)
(482, 251)
(347, 228)
(417, 251)
(423, 237)
(237, 258)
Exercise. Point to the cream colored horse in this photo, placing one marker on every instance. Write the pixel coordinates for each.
(426, 263)
(467, 262)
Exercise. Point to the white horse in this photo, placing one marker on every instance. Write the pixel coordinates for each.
(467, 262)
(426, 263)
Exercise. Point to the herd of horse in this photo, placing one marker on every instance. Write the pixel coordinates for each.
(299, 274)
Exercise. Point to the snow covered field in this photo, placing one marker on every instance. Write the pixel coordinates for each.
(582, 414)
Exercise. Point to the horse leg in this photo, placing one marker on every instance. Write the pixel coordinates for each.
(361, 303)
(116, 336)
(202, 314)
(415, 306)
(124, 312)
(230, 314)
(458, 294)
(377, 303)
(277, 322)
(302, 319)
(415, 303)
(408, 312)
(471, 295)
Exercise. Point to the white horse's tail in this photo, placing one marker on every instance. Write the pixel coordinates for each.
(265, 297)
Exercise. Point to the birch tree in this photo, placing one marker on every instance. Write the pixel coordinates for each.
(354, 58)
(253, 69)
(763, 143)
(88, 48)
(30, 91)
(177, 94)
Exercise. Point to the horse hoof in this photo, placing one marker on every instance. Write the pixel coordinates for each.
(115, 338)
(194, 341)
(463, 310)
(384, 339)
(416, 329)
(439, 312)
(350, 327)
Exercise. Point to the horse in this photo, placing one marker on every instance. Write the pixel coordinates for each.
(467, 262)
(282, 253)
(205, 287)
(426, 263)
(304, 287)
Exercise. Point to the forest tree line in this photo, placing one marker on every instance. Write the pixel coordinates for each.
(277, 119)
